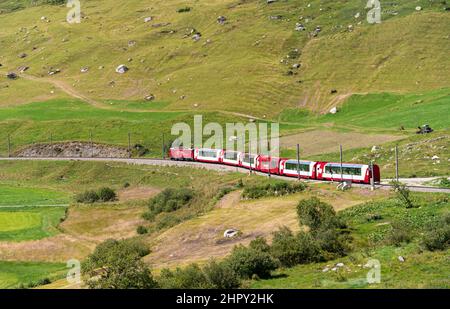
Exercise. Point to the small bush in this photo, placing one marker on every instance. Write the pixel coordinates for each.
(107, 195)
(214, 275)
(247, 262)
(260, 244)
(399, 234)
(220, 275)
(91, 196)
(403, 194)
(316, 214)
(117, 265)
(190, 277)
(141, 230)
(374, 217)
(87, 197)
(168, 200)
(272, 189)
(444, 183)
(292, 249)
(184, 10)
(438, 237)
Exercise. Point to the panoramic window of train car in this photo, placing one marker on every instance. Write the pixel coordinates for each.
(231, 155)
(336, 169)
(304, 167)
(208, 153)
(249, 159)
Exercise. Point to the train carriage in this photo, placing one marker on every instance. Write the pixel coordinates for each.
(181, 154)
(208, 155)
(267, 163)
(230, 157)
(249, 160)
(359, 173)
(291, 168)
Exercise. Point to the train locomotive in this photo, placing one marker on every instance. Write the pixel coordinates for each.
(328, 171)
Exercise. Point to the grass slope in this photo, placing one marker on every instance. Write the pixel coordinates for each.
(239, 69)
(16, 274)
(421, 269)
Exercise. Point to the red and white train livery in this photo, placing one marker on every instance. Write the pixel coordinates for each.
(330, 171)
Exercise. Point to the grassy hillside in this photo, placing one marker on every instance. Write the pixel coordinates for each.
(27, 274)
(235, 66)
(374, 226)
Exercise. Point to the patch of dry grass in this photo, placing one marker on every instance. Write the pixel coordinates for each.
(200, 239)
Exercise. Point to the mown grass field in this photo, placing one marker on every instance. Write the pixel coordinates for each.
(18, 274)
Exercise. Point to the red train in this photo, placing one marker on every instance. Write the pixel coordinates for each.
(359, 173)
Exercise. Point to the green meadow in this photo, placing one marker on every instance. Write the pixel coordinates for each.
(28, 274)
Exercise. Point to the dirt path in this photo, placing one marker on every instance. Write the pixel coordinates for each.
(63, 86)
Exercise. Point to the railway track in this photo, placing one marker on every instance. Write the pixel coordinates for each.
(220, 168)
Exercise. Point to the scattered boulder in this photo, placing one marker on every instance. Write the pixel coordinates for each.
(149, 97)
(271, 1)
(296, 65)
(326, 269)
(148, 19)
(230, 233)
(340, 265)
(418, 8)
(275, 17)
(22, 55)
(299, 27)
(333, 91)
(334, 110)
(121, 69)
(84, 70)
(375, 149)
(131, 43)
(53, 71)
(22, 69)
(434, 158)
(221, 20)
(196, 37)
(401, 259)
(12, 75)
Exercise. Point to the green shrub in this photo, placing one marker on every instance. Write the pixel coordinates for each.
(272, 189)
(90, 196)
(117, 265)
(260, 244)
(403, 194)
(438, 236)
(141, 230)
(247, 262)
(399, 234)
(444, 182)
(107, 194)
(333, 243)
(292, 249)
(184, 10)
(213, 276)
(316, 214)
(87, 197)
(220, 275)
(170, 200)
(190, 277)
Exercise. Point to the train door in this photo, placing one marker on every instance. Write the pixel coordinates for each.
(320, 169)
